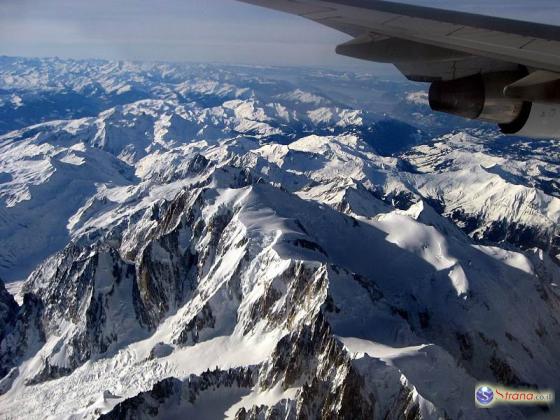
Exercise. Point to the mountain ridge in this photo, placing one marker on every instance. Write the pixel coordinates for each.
(249, 244)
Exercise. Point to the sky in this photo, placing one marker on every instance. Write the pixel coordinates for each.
(220, 31)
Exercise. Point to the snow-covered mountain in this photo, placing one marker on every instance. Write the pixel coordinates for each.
(232, 244)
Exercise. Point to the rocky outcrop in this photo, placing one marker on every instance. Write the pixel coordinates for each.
(331, 387)
(24, 337)
(170, 397)
(8, 310)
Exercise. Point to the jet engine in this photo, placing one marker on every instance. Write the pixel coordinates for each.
(484, 97)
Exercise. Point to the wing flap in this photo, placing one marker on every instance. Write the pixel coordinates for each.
(540, 86)
(383, 49)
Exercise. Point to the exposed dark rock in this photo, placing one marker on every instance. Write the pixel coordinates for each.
(25, 337)
(465, 346)
(304, 243)
(172, 393)
(424, 319)
(312, 357)
(375, 294)
(189, 335)
(8, 311)
(503, 372)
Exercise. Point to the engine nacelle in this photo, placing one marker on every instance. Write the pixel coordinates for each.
(539, 120)
(481, 97)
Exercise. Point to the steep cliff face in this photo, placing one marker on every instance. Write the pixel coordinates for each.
(8, 310)
(8, 314)
(22, 337)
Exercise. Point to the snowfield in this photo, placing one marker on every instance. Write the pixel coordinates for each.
(213, 242)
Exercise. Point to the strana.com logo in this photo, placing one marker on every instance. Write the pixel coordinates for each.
(484, 395)
(488, 395)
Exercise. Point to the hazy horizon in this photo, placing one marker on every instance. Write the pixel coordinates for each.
(221, 32)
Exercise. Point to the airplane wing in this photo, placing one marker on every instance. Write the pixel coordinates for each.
(428, 44)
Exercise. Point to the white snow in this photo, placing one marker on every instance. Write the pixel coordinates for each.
(15, 289)
(418, 98)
